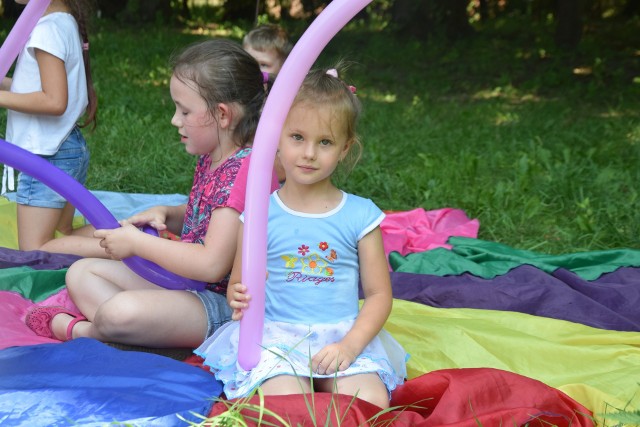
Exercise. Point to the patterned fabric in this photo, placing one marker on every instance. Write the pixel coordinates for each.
(211, 190)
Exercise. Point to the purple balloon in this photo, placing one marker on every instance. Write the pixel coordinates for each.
(64, 184)
(89, 205)
(285, 88)
(19, 34)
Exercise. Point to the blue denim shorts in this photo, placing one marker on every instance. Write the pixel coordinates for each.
(217, 308)
(72, 158)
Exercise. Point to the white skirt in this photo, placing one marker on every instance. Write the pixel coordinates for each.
(287, 349)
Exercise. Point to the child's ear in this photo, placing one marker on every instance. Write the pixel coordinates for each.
(225, 115)
(346, 149)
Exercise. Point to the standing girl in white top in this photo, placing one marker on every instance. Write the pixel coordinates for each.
(321, 242)
(50, 91)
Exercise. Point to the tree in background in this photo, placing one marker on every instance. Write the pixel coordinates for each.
(419, 19)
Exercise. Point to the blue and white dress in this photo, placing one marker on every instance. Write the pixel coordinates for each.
(311, 300)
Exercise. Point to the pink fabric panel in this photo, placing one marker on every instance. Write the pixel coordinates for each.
(418, 230)
(14, 308)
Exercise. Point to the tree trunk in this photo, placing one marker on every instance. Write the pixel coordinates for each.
(569, 23)
(412, 18)
(12, 9)
(457, 20)
(632, 8)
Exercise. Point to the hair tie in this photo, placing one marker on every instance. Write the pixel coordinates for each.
(265, 77)
(333, 72)
(85, 46)
(352, 89)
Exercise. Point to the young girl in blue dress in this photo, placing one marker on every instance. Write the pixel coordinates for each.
(321, 242)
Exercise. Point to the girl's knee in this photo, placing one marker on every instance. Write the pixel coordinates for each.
(368, 387)
(77, 273)
(118, 317)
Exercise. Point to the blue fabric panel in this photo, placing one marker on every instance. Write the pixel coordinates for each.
(85, 382)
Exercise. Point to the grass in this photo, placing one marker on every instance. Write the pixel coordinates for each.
(540, 145)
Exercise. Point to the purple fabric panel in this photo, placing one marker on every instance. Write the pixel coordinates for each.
(611, 302)
(38, 260)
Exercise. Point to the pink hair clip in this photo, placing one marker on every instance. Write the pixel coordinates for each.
(265, 77)
(333, 72)
(352, 89)
(85, 46)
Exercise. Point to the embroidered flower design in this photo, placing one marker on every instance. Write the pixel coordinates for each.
(290, 261)
(328, 271)
(323, 246)
(303, 250)
(313, 264)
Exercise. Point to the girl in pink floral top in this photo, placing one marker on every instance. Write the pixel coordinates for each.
(218, 91)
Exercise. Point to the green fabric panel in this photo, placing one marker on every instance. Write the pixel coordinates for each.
(35, 285)
(490, 259)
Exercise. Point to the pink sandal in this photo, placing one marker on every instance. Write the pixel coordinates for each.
(39, 320)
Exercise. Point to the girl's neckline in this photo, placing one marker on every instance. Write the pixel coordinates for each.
(325, 214)
(222, 161)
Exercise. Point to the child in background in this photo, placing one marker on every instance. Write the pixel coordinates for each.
(50, 91)
(321, 241)
(269, 45)
(218, 91)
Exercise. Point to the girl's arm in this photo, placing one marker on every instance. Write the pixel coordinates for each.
(6, 83)
(237, 296)
(378, 299)
(209, 262)
(52, 99)
(169, 218)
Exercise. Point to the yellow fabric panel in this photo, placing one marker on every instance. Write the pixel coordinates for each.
(9, 224)
(598, 368)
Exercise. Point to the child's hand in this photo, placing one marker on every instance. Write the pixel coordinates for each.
(332, 356)
(239, 300)
(118, 242)
(156, 217)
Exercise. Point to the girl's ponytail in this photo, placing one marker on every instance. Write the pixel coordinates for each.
(80, 9)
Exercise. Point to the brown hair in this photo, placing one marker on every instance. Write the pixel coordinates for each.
(81, 10)
(268, 37)
(225, 73)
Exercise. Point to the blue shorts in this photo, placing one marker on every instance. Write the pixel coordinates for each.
(217, 308)
(72, 158)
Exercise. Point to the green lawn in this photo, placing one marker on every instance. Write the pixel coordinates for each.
(541, 146)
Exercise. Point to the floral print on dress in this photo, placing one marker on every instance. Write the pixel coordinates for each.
(313, 264)
(210, 190)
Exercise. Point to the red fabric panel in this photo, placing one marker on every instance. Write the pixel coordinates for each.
(453, 398)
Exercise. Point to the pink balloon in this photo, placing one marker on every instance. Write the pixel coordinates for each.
(19, 34)
(285, 88)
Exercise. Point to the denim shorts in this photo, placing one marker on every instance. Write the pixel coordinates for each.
(72, 158)
(217, 308)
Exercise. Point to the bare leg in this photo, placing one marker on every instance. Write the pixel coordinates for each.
(123, 307)
(369, 387)
(286, 384)
(37, 227)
